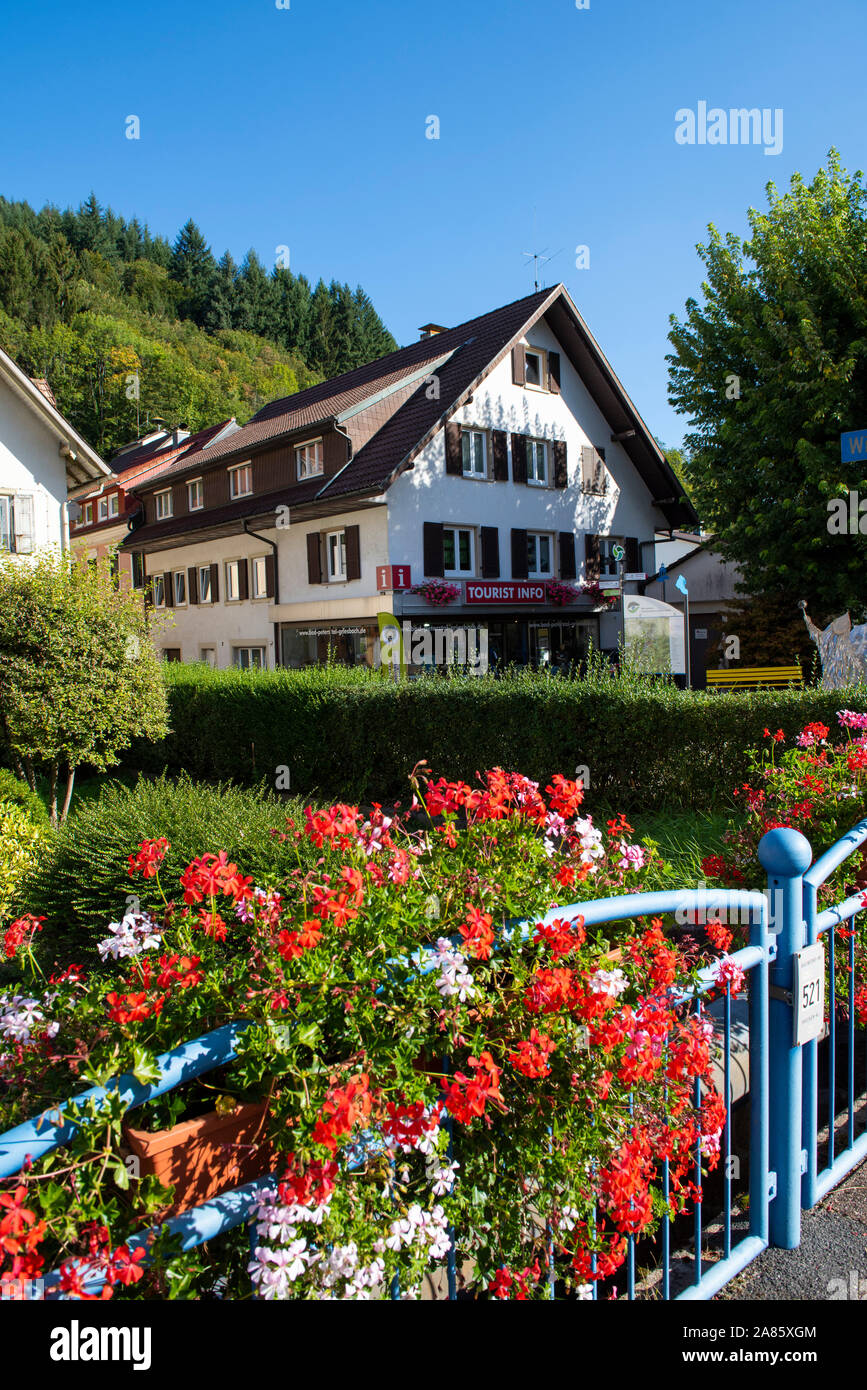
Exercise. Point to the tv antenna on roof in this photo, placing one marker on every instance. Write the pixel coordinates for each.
(539, 258)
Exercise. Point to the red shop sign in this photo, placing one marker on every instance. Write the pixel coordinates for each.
(509, 591)
(393, 577)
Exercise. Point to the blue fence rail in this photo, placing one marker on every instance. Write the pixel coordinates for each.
(783, 1077)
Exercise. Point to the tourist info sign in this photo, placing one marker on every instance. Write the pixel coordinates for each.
(808, 989)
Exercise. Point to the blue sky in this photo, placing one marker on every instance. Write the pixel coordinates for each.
(306, 127)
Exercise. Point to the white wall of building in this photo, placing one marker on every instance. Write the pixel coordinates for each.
(221, 625)
(31, 465)
(427, 493)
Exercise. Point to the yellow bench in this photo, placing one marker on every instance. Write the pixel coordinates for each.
(752, 677)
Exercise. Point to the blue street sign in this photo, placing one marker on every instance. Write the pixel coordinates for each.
(662, 572)
(853, 446)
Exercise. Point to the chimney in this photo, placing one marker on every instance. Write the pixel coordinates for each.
(430, 330)
(42, 385)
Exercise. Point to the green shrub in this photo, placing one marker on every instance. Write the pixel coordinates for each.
(15, 792)
(354, 735)
(20, 842)
(85, 881)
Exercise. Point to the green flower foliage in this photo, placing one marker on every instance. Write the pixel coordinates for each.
(84, 882)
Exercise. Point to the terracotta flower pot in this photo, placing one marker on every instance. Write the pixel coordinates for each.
(206, 1156)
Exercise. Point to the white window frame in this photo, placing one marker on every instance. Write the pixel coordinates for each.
(255, 563)
(473, 472)
(7, 523)
(159, 587)
(182, 576)
(607, 563)
(303, 468)
(199, 484)
(457, 572)
(542, 384)
(205, 570)
(533, 445)
(203, 655)
(227, 568)
(534, 571)
(336, 574)
(237, 472)
(251, 666)
(14, 539)
(102, 509)
(86, 518)
(164, 510)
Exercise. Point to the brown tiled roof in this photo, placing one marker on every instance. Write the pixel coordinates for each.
(145, 456)
(391, 430)
(475, 347)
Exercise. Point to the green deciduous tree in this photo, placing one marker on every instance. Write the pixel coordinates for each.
(79, 677)
(771, 368)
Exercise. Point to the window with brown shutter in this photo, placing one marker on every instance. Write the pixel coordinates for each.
(593, 475)
(269, 575)
(314, 558)
(561, 465)
(633, 555)
(519, 458)
(454, 462)
(566, 548)
(554, 372)
(490, 539)
(519, 553)
(215, 583)
(519, 370)
(193, 584)
(592, 559)
(243, 579)
(353, 552)
(500, 449)
(432, 534)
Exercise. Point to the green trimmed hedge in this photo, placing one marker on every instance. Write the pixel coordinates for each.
(355, 735)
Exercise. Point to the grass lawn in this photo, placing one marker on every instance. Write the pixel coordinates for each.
(683, 838)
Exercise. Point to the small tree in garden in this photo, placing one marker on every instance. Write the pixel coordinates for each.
(79, 677)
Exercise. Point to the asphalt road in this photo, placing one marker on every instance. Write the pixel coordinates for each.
(831, 1261)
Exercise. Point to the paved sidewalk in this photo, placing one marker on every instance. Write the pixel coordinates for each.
(831, 1261)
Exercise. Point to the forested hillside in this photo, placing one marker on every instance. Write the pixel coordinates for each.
(99, 306)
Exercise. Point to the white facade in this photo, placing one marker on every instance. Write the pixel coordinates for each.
(426, 493)
(43, 462)
(589, 515)
(32, 479)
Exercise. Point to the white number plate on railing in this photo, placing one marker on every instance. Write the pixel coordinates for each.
(808, 988)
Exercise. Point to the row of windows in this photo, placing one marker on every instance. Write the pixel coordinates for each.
(309, 463)
(245, 658)
(460, 553)
(107, 508)
(475, 452)
(171, 589)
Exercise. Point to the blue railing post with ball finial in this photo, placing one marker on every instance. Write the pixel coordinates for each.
(785, 854)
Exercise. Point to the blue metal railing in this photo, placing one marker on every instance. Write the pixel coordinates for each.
(57, 1126)
(817, 1183)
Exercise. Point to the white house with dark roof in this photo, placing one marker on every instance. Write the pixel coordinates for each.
(44, 464)
(500, 457)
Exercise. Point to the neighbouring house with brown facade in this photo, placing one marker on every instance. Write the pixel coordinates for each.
(500, 457)
(107, 512)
